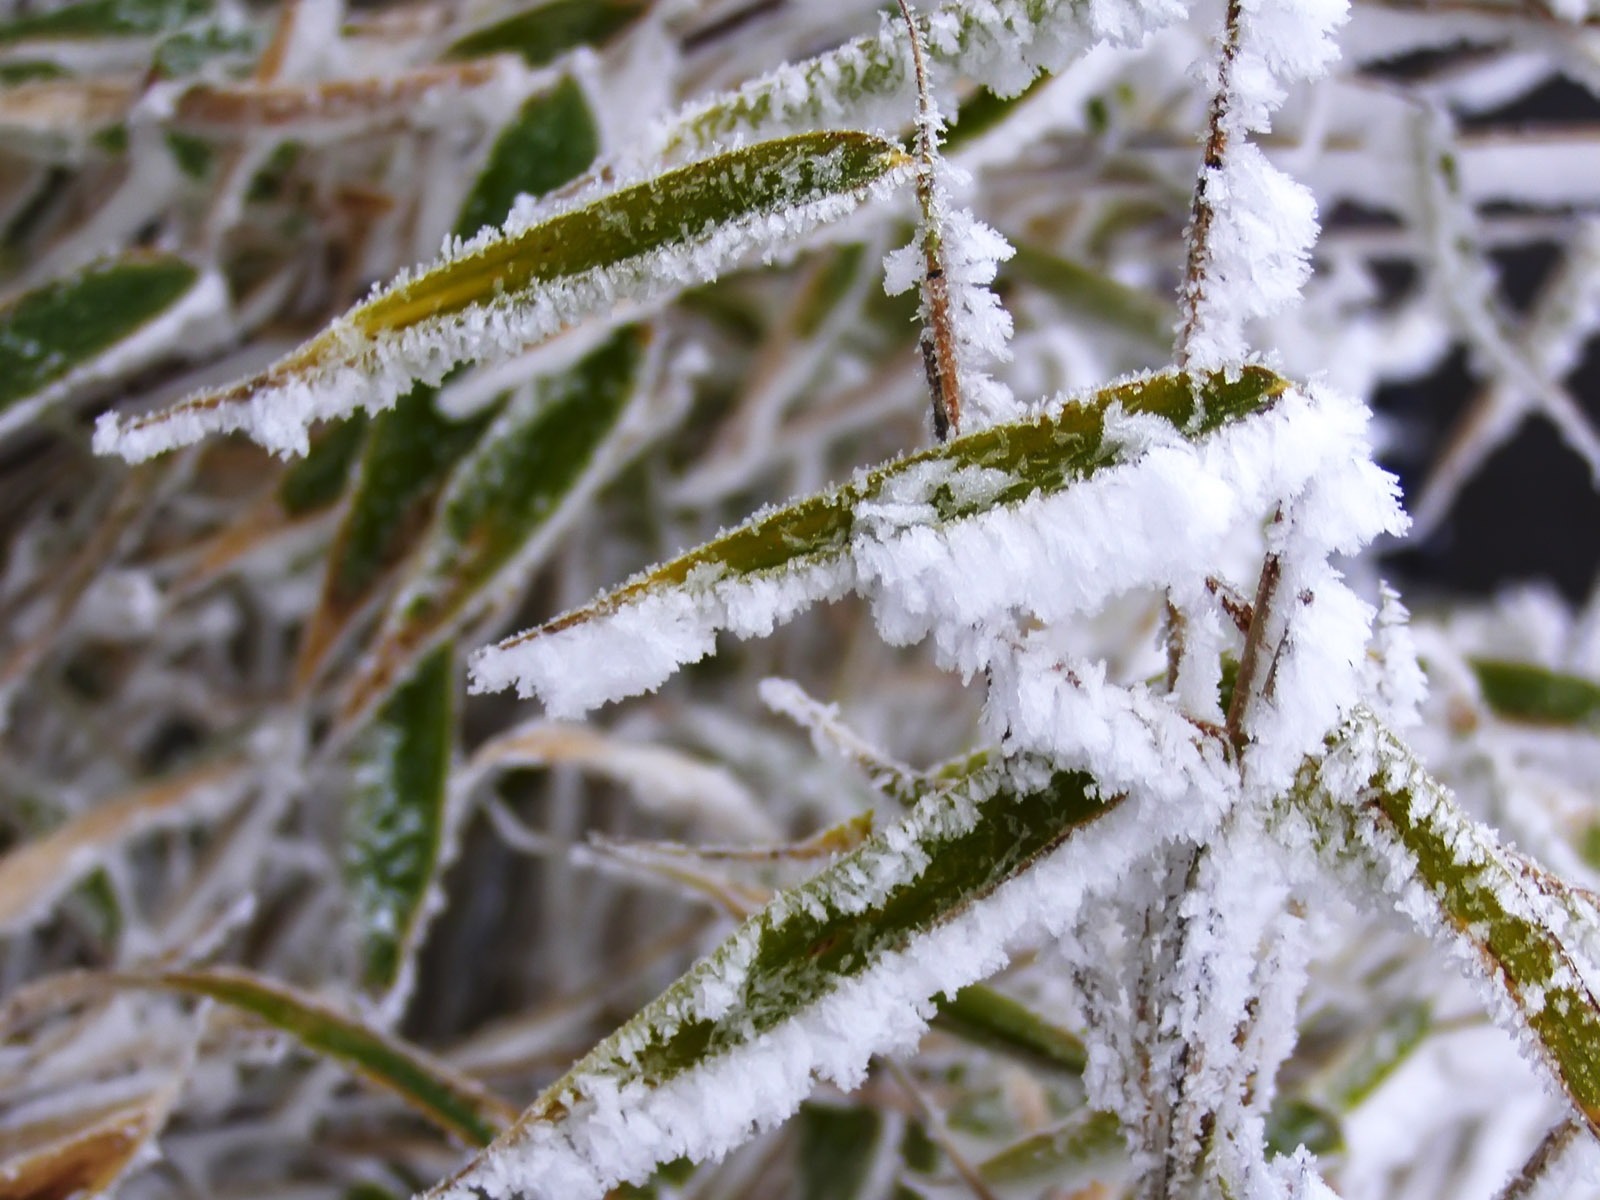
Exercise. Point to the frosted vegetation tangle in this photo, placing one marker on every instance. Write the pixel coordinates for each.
(918, 462)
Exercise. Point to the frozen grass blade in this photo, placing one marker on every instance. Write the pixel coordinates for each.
(1528, 939)
(448, 1099)
(783, 560)
(82, 1157)
(735, 1042)
(37, 873)
(507, 290)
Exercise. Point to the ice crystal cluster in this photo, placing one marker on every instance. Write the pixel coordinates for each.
(715, 598)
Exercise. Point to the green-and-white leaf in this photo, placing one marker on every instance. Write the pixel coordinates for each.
(97, 325)
(867, 83)
(1532, 941)
(509, 500)
(450, 1100)
(829, 973)
(506, 290)
(633, 638)
(399, 819)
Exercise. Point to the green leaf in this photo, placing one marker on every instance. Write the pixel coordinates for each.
(448, 1099)
(812, 942)
(1094, 297)
(1086, 1144)
(1530, 932)
(317, 481)
(499, 512)
(1538, 695)
(1378, 1056)
(552, 141)
(546, 31)
(502, 294)
(397, 821)
(835, 1150)
(1293, 1123)
(49, 333)
(990, 1018)
(103, 18)
(408, 457)
(675, 209)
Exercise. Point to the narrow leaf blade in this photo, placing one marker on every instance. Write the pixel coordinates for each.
(449, 1100)
(506, 291)
(398, 825)
(757, 1018)
(781, 560)
(507, 502)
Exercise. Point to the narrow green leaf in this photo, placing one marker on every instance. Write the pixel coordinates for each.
(990, 1018)
(501, 294)
(1095, 297)
(1293, 1123)
(48, 333)
(677, 208)
(1085, 1144)
(552, 141)
(1526, 692)
(810, 944)
(1378, 1056)
(397, 821)
(546, 31)
(407, 459)
(447, 1098)
(835, 1150)
(1530, 933)
(1018, 461)
(498, 513)
(317, 481)
(102, 18)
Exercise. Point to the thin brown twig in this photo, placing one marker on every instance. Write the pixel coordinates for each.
(1201, 213)
(938, 335)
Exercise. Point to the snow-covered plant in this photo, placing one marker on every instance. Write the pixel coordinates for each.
(1013, 778)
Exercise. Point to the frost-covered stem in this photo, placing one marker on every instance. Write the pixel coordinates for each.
(1549, 1151)
(1201, 213)
(938, 337)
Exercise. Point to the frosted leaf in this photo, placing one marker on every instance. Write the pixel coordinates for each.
(501, 292)
(737, 1044)
(945, 538)
(1530, 943)
(867, 84)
